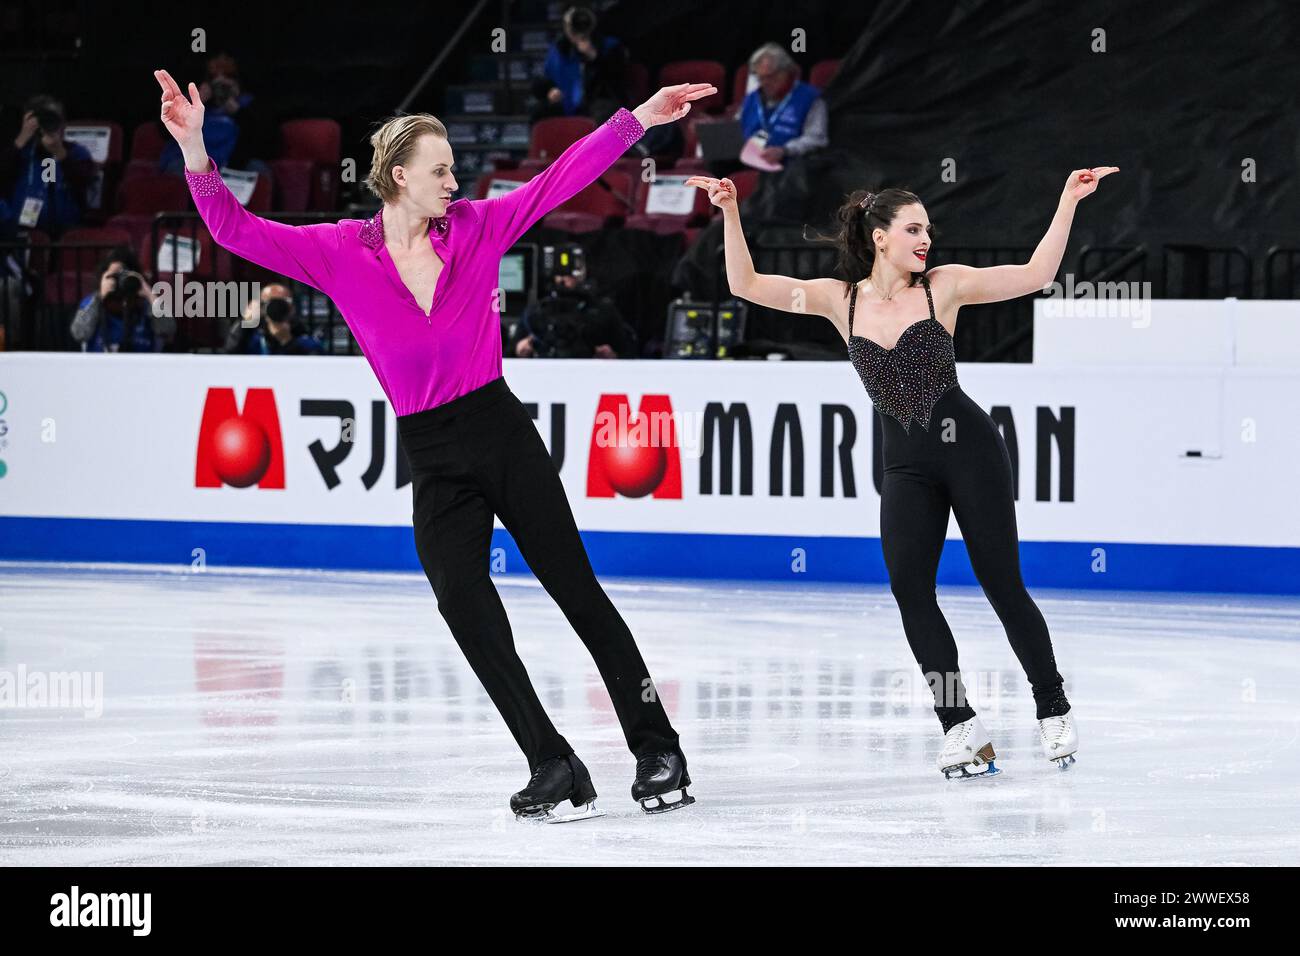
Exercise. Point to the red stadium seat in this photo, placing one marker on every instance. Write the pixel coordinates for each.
(698, 71)
(638, 83)
(114, 137)
(666, 223)
(136, 224)
(553, 135)
(100, 235)
(159, 192)
(318, 142)
(74, 270)
(135, 168)
(746, 183)
(293, 184)
(315, 139)
(508, 175)
(148, 141)
(739, 80)
(823, 72)
(691, 166)
(215, 263)
(260, 201)
(608, 198)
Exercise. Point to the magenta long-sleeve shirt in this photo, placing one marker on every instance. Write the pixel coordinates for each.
(421, 360)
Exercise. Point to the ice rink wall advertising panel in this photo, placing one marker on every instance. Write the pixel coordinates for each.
(1139, 477)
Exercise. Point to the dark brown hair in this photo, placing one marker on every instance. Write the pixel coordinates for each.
(862, 212)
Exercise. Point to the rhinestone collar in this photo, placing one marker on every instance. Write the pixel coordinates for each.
(372, 230)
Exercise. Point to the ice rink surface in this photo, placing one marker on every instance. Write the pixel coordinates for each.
(265, 718)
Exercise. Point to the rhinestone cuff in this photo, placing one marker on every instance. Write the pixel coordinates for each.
(204, 184)
(627, 126)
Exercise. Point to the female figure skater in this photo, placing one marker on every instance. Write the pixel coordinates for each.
(941, 450)
(472, 447)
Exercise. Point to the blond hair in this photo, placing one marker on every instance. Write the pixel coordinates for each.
(393, 143)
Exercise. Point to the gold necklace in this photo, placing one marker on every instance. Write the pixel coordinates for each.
(885, 298)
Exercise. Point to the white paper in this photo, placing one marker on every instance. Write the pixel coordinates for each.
(240, 182)
(94, 138)
(499, 187)
(177, 254)
(95, 191)
(670, 196)
(752, 155)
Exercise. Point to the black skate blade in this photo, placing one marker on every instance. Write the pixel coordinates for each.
(1064, 763)
(657, 803)
(545, 813)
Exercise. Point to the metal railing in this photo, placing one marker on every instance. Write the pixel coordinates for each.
(1205, 272)
(41, 286)
(316, 312)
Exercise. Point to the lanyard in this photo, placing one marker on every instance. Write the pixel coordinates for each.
(768, 119)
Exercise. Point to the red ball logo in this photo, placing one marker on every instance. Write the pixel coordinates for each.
(635, 470)
(241, 451)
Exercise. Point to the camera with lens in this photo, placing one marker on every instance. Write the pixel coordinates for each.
(277, 309)
(126, 287)
(50, 121)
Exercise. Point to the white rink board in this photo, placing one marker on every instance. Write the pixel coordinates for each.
(124, 433)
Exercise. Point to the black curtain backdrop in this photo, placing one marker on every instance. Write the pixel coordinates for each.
(1015, 97)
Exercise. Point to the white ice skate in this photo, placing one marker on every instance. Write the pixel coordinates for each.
(967, 751)
(1060, 739)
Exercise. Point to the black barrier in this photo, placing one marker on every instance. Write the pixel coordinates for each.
(1282, 273)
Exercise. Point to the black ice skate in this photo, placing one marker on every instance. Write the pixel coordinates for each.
(661, 782)
(553, 782)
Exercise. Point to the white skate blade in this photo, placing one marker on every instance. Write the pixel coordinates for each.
(544, 814)
(971, 771)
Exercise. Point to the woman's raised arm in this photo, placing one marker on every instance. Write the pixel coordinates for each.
(967, 285)
(802, 296)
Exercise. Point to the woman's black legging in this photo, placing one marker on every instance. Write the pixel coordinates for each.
(960, 463)
(479, 455)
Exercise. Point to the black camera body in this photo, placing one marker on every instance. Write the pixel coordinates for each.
(126, 289)
(50, 121)
(277, 309)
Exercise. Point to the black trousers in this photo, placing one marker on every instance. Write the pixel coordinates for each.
(960, 463)
(479, 455)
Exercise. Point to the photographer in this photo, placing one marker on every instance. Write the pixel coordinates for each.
(586, 71)
(573, 320)
(120, 316)
(30, 197)
(270, 328)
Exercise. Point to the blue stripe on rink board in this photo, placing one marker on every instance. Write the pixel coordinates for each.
(1159, 567)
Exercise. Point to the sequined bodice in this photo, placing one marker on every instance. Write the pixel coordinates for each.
(909, 379)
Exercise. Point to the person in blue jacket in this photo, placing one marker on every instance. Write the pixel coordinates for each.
(120, 316)
(43, 178)
(586, 71)
(788, 114)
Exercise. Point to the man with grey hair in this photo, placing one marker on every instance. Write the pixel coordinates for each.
(786, 114)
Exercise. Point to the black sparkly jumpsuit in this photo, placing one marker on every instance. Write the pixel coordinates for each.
(955, 459)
